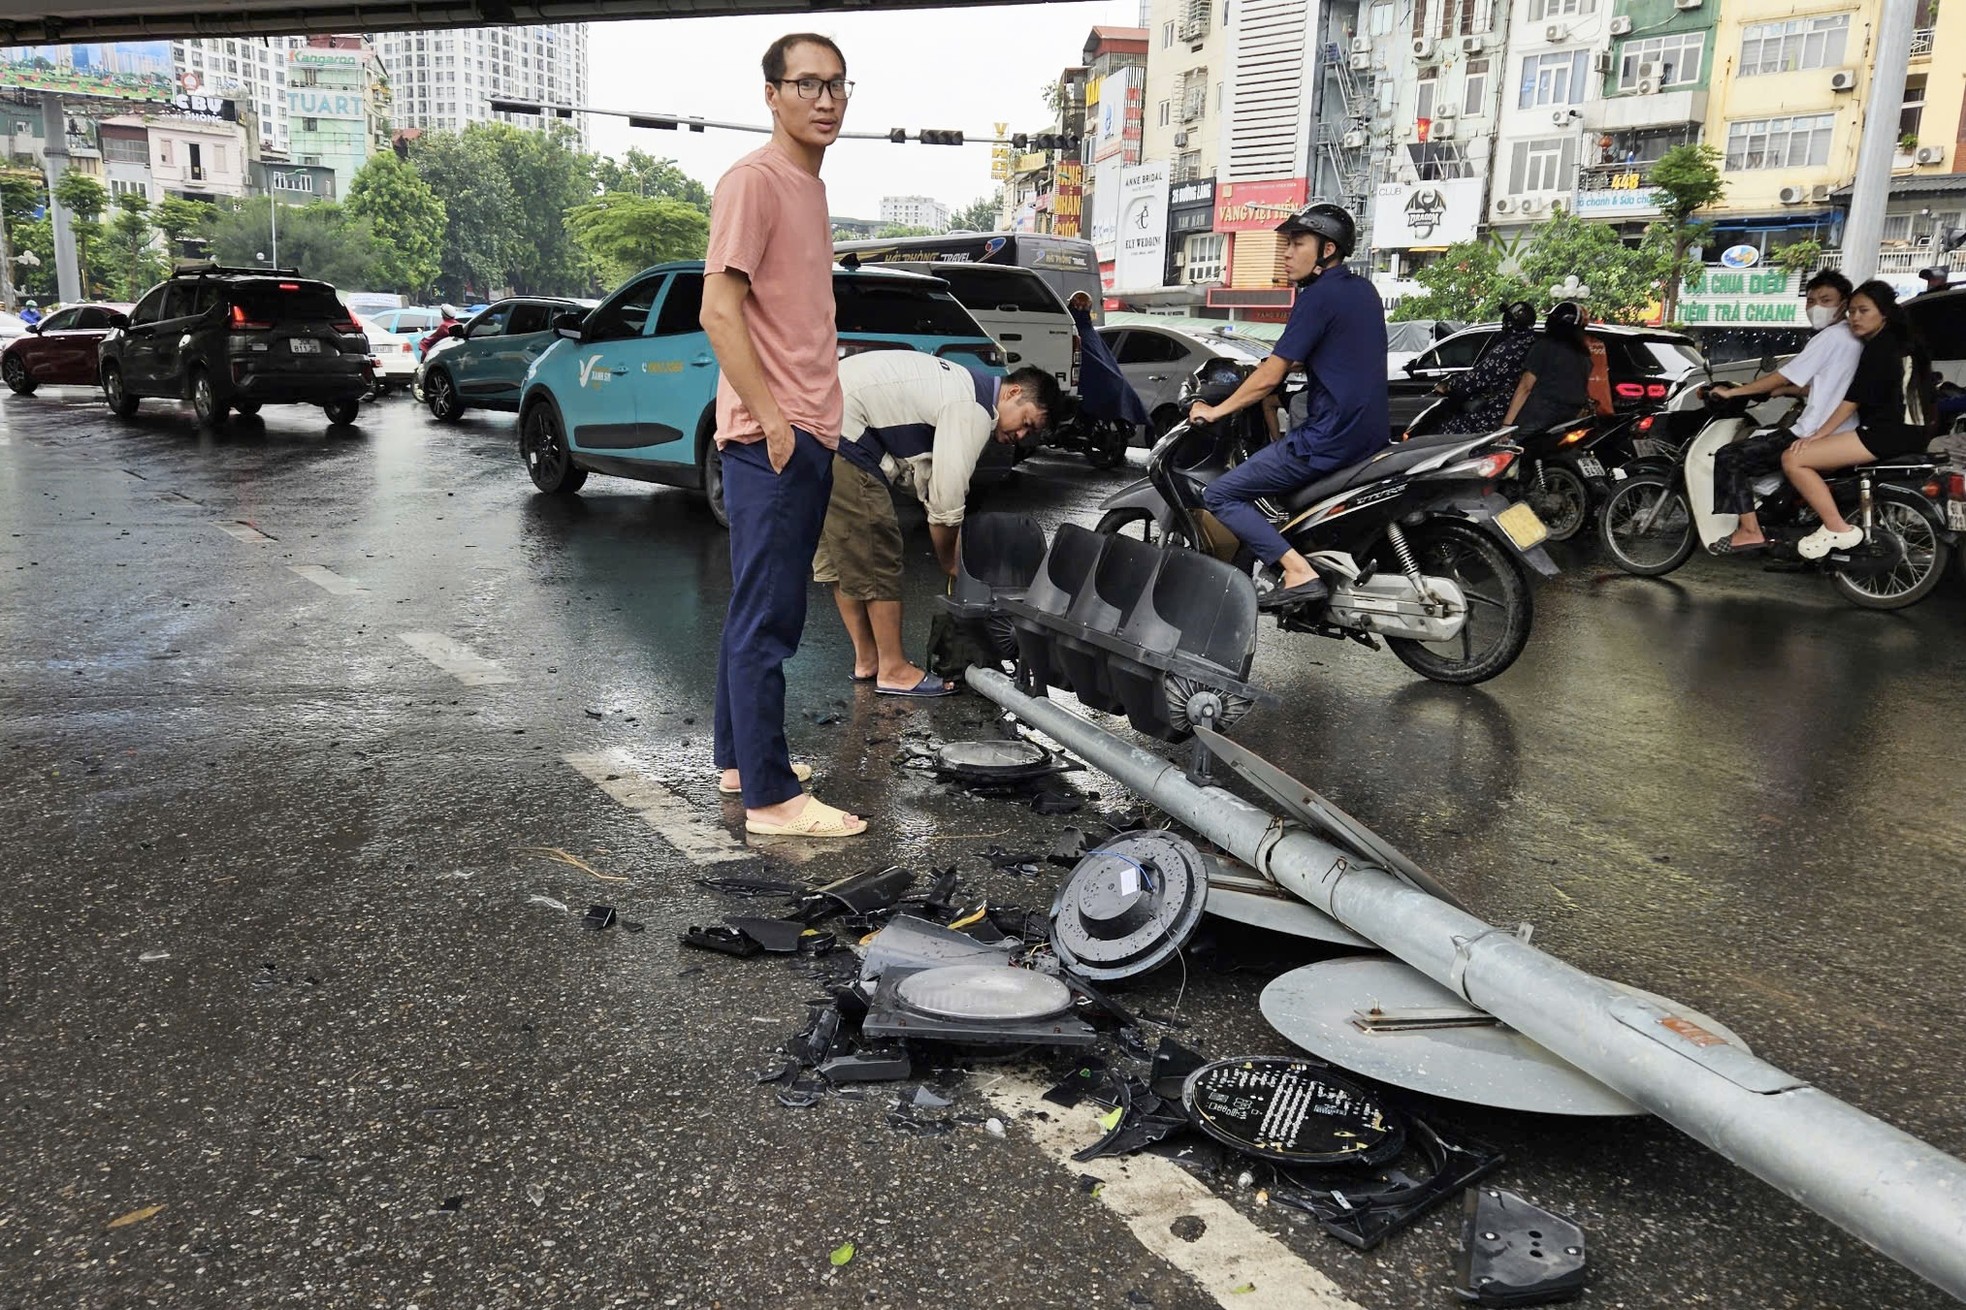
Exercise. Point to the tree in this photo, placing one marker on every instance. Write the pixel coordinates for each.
(1800, 256)
(407, 218)
(481, 212)
(131, 262)
(625, 233)
(548, 178)
(903, 230)
(35, 237)
(644, 175)
(178, 218)
(978, 215)
(1471, 278)
(1684, 180)
(84, 198)
(321, 240)
(1466, 283)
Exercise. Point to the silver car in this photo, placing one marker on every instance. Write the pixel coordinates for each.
(1157, 360)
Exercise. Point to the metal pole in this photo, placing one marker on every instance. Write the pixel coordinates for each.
(1884, 100)
(54, 135)
(1901, 1195)
(273, 219)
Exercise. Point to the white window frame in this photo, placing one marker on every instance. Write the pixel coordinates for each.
(1542, 9)
(1794, 45)
(1167, 35)
(1205, 252)
(1166, 112)
(1474, 94)
(1555, 78)
(1683, 52)
(1762, 143)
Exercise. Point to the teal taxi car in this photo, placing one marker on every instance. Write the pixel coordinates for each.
(631, 389)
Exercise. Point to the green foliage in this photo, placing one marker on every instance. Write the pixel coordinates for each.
(408, 221)
(1472, 278)
(321, 240)
(84, 198)
(1466, 282)
(481, 213)
(178, 218)
(35, 280)
(130, 262)
(903, 230)
(549, 177)
(977, 216)
(622, 233)
(1800, 257)
(21, 192)
(1685, 180)
(641, 174)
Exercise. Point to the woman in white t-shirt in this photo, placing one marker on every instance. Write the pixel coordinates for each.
(1822, 372)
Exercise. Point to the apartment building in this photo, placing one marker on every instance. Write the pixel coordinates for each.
(1115, 89)
(443, 81)
(1183, 101)
(250, 71)
(338, 106)
(915, 211)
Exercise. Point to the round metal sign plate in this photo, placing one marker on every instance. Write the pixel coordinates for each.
(1129, 906)
(1387, 1021)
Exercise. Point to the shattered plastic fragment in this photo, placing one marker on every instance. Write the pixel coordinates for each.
(779, 936)
(597, 918)
(927, 1100)
(151, 957)
(1513, 1253)
(994, 1127)
(722, 939)
(842, 1254)
(536, 1193)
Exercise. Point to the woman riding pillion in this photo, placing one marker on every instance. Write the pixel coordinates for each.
(1487, 389)
(1337, 331)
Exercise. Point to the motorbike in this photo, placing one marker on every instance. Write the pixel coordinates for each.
(1565, 470)
(1415, 544)
(1662, 510)
(1103, 441)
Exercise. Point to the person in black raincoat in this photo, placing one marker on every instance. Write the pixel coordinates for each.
(1486, 389)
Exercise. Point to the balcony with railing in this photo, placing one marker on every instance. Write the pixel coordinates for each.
(1921, 43)
(1904, 258)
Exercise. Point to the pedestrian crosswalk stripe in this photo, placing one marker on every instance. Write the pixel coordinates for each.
(328, 580)
(457, 659)
(674, 819)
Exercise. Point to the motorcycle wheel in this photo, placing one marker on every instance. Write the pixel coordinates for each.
(1926, 556)
(1563, 501)
(1647, 526)
(1500, 607)
(1105, 445)
(1130, 523)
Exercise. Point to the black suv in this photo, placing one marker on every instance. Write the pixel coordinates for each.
(235, 338)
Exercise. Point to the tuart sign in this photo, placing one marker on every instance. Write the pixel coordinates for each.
(1748, 297)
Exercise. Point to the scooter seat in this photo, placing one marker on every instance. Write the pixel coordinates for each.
(1395, 458)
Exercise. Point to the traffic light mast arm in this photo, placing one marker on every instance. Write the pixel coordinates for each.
(898, 135)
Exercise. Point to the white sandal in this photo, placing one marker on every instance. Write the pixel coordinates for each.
(1822, 541)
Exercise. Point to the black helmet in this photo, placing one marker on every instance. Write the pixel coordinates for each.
(1519, 317)
(1566, 316)
(1331, 222)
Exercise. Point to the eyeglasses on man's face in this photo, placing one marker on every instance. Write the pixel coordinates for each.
(810, 87)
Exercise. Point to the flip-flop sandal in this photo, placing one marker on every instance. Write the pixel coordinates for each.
(1726, 547)
(803, 772)
(855, 677)
(928, 688)
(817, 819)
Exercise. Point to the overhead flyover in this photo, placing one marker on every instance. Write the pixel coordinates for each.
(56, 22)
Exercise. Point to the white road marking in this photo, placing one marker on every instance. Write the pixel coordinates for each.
(1150, 1193)
(241, 531)
(457, 659)
(328, 580)
(674, 819)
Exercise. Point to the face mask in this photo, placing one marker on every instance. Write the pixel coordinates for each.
(1821, 316)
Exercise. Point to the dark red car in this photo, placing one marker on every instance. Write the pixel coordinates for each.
(60, 350)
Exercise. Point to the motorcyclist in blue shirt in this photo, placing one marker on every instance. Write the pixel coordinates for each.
(30, 313)
(1337, 331)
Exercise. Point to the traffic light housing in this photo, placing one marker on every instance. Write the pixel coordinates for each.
(930, 136)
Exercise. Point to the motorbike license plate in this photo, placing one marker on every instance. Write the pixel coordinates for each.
(1590, 466)
(1956, 515)
(1523, 527)
(304, 346)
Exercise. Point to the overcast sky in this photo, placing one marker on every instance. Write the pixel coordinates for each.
(968, 67)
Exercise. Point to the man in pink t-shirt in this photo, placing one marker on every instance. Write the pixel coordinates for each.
(768, 310)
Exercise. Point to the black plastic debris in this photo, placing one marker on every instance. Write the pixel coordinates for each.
(886, 1064)
(1143, 1119)
(629, 925)
(1085, 1079)
(1055, 801)
(910, 943)
(1513, 1253)
(866, 892)
(1024, 863)
(816, 1042)
(995, 763)
(723, 939)
(597, 918)
(1292, 1111)
(754, 887)
(1068, 848)
(1129, 906)
(778, 936)
(1173, 1063)
(1365, 1212)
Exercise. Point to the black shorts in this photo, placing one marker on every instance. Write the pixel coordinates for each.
(1889, 441)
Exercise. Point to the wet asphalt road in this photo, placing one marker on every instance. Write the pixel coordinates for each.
(363, 1067)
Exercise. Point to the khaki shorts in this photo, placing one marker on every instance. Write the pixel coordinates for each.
(860, 546)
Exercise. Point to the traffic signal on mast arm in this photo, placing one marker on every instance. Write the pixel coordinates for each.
(930, 136)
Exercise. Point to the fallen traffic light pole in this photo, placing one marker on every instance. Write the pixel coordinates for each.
(1901, 1195)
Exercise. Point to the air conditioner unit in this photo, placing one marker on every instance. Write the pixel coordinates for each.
(1441, 131)
(1355, 140)
(1361, 45)
(1792, 195)
(1819, 193)
(1505, 206)
(1686, 4)
(1843, 79)
(1423, 48)
(1180, 140)
(1601, 61)
(1473, 45)
(1180, 258)
(1647, 85)
(1446, 111)
(1360, 63)
(1562, 117)
(1532, 206)
(1929, 155)
(1555, 33)
(1621, 26)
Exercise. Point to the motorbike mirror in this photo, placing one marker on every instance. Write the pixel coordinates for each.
(35, 328)
(1767, 364)
(1412, 366)
(455, 330)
